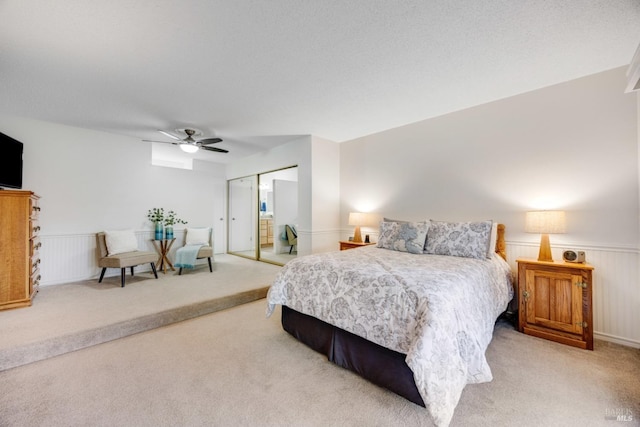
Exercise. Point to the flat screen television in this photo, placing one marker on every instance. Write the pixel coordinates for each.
(10, 162)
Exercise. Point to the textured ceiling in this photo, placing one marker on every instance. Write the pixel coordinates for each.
(258, 72)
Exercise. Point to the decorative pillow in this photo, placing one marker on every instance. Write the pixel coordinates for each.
(120, 241)
(403, 236)
(463, 239)
(197, 236)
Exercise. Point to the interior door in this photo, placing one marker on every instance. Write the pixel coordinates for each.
(242, 216)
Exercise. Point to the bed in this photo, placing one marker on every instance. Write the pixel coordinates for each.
(414, 313)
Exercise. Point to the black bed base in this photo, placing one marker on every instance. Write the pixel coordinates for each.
(381, 366)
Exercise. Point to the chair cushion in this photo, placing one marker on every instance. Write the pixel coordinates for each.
(205, 252)
(128, 259)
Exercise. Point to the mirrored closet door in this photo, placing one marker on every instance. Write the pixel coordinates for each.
(278, 218)
(263, 216)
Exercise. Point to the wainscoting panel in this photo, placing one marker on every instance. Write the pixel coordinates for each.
(73, 257)
(67, 258)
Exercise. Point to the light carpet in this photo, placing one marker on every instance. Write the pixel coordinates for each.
(72, 316)
(235, 367)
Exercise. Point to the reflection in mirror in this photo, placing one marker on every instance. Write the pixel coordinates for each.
(278, 207)
(242, 216)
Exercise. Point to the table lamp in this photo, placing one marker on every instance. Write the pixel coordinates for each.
(357, 219)
(545, 223)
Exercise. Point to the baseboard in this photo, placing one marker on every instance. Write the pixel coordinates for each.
(616, 340)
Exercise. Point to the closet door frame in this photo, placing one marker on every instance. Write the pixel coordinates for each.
(242, 225)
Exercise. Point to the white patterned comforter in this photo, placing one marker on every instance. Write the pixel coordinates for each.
(438, 310)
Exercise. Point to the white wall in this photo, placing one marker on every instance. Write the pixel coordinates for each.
(573, 146)
(326, 194)
(92, 181)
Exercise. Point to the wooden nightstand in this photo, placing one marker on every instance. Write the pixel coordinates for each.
(344, 244)
(555, 301)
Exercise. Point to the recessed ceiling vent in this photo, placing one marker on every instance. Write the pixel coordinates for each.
(633, 73)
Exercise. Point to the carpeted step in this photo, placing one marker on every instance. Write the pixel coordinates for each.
(44, 349)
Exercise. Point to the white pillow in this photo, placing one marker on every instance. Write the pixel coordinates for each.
(120, 241)
(197, 236)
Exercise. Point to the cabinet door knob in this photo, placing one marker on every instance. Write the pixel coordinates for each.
(582, 285)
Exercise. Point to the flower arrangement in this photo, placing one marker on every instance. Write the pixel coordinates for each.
(156, 215)
(172, 219)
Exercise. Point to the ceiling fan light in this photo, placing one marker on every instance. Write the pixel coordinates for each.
(189, 148)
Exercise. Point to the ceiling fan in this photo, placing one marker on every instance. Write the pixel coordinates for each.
(189, 144)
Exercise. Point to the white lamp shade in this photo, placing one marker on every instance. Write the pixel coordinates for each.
(356, 218)
(362, 219)
(545, 222)
(189, 148)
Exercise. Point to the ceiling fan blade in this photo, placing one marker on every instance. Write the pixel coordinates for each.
(170, 135)
(208, 141)
(218, 150)
(161, 142)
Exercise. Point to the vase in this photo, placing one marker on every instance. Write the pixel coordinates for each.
(158, 231)
(168, 232)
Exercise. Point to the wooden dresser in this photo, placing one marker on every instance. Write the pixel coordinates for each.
(266, 232)
(555, 301)
(19, 245)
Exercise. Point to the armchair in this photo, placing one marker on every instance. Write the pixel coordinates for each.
(128, 258)
(292, 236)
(192, 237)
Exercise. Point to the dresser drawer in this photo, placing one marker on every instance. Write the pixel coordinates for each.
(34, 247)
(35, 264)
(34, 282)
(34, 225)
(34, 210)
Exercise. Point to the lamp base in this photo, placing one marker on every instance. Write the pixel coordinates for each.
(545, 249)
(357, 237)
